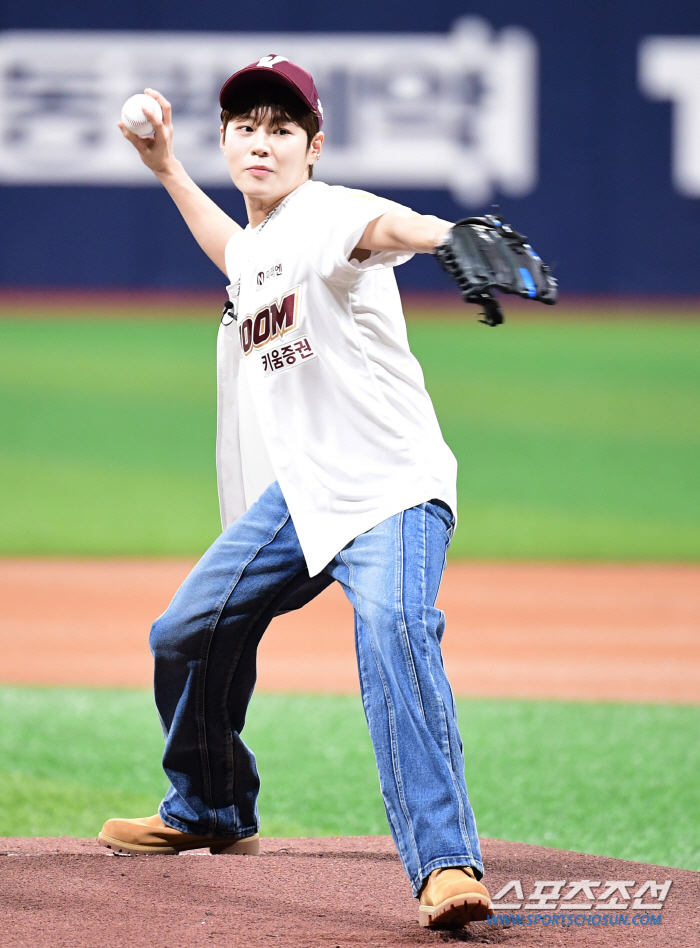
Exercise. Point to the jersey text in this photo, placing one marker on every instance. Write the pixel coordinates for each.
(270, 322)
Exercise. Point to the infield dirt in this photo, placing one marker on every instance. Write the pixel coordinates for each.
(612, 632)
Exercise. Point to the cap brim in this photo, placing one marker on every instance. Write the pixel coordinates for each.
(258, 74)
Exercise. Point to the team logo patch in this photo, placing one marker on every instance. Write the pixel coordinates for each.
(286, 357)
(269, 61)
(270, 322)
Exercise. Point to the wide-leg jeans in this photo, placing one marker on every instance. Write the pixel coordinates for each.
(205, 646)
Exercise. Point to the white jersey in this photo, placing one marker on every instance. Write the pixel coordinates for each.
(317, 387)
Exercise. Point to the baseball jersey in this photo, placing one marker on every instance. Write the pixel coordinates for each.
(317, 386)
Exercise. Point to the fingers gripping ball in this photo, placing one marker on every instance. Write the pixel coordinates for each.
(133, 117)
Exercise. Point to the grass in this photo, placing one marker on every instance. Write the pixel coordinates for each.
(608, 779)
(575, 439)
(107, 434)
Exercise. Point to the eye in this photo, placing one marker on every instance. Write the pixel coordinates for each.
(282, 131)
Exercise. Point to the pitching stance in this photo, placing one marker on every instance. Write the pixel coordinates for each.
(331, 466)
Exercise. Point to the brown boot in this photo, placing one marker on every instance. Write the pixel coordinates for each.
(151, 835)
(452, 898)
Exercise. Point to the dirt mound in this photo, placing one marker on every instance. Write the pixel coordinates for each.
(59, 893)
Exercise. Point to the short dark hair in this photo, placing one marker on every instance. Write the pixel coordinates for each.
(269, 100)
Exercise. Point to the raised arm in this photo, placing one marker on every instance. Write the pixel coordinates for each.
(210, 226)
(404, 230)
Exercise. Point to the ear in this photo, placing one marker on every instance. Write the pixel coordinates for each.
(316, 146)
(222, 137)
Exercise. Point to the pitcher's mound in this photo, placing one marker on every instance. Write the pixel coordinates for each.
(62, 893)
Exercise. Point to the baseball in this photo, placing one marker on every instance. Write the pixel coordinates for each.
(133, 117)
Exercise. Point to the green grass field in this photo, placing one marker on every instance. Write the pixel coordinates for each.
(609, 779)
(577, 439)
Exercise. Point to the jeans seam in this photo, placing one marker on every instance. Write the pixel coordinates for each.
(392, 719)
(415, 686)
(447, 748)
(201, 678)
(458, 790)
(366, 704)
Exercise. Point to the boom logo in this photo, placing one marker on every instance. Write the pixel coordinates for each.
(270, 322)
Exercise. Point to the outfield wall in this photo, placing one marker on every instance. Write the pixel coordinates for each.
(582, 120)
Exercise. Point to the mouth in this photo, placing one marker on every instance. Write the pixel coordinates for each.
(259, 171)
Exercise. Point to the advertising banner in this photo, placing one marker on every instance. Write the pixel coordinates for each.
(581, 121)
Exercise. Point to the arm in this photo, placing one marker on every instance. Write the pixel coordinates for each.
(210, 226)
(399, 230)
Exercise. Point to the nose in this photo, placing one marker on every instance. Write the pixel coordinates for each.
(260, 145)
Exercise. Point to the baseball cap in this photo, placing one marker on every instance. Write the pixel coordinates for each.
(278, 69)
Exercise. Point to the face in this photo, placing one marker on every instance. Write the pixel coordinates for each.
(268, 161)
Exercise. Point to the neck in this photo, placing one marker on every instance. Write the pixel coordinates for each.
(258, 208)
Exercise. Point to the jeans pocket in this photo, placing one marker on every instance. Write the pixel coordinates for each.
(443, 512)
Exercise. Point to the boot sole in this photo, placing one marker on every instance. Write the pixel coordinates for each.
(456, 912)
(224, 847)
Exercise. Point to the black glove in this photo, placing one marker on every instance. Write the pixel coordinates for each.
(482, 254)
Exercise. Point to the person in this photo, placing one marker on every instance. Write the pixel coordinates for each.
(331, 467)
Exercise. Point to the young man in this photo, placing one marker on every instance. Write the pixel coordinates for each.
(331, 466)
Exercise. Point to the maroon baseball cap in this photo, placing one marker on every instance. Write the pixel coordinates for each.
(274, 68)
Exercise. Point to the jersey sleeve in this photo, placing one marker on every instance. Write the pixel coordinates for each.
(340, 227)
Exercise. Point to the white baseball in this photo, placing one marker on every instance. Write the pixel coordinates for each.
(133, 117)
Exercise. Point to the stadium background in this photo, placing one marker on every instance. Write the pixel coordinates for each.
(576, 430)
(603, 199)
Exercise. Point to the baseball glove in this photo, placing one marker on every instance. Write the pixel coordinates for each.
(483, 254)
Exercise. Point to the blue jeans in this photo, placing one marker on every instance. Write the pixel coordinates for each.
(205, 646)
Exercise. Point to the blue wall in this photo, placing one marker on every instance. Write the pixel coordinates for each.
(604, 211)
